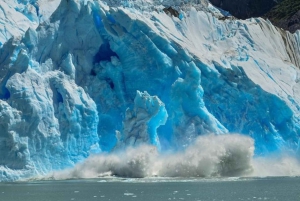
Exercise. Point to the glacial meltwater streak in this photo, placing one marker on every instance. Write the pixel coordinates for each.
(230, 189)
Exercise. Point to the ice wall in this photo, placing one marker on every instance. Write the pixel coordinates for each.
(96, 77)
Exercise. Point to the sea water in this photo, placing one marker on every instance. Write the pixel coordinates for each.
(158, 189)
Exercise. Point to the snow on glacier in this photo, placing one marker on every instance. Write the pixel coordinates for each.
(100, 76)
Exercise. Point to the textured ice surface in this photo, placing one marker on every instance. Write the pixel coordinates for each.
(98, 76)
(141, 123)
(16, 16)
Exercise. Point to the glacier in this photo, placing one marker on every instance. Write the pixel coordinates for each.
(84, 77)
(16, 16)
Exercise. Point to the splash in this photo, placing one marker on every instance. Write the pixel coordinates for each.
(276, 165)
(208, 156)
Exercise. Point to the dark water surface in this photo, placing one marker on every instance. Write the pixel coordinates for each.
(282, 189)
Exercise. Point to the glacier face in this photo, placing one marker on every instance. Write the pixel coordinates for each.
(100, 75)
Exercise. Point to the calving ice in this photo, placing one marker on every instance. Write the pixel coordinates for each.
(96, 77)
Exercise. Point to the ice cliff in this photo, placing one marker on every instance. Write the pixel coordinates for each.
(101, 75)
